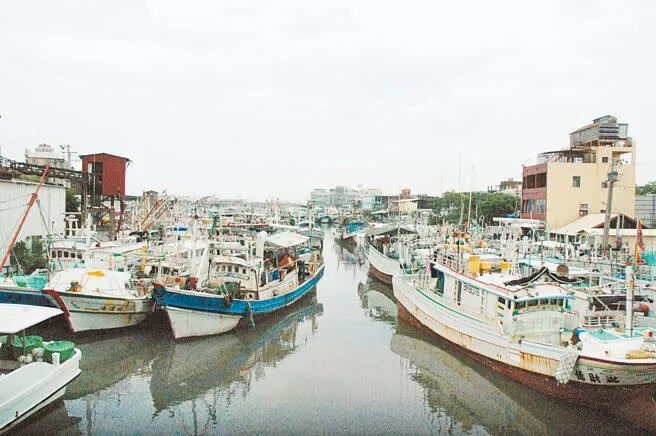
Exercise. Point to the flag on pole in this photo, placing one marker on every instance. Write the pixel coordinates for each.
(639, 245)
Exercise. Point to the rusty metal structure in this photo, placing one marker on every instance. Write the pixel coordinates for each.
(96, 197)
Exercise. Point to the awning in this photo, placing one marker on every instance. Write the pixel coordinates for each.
(17, 317)
(286, 239)
(389, 230)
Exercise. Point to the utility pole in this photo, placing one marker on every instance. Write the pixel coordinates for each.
(612, 178)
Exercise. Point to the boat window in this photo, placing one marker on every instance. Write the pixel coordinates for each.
(53, 254)
(459, 292)
(59, 254)
(79, 255)
(520, 305)
(509, 303)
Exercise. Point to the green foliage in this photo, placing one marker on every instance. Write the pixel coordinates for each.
(484, 206)
(27, 259)
(649, 188)
(72, 202)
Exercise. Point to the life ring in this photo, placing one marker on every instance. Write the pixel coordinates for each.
(227, 300)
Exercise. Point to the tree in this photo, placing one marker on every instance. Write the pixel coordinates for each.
(26, 259)
(72, 202)
(450, 205)
(496, 205)
(649, 188)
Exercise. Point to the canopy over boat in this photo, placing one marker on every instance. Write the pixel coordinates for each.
(286, 239)
(17, 317)
(389, 230)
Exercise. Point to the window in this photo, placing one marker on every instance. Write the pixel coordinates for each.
(576, 181)
(459, 293)
(604, 184)
(583, 209)
(604, 159)
(534, 206)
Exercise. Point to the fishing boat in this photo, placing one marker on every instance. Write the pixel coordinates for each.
(25, 290)
(388, 250)
(98, 299)
(347, 234)
(283, 268)
(525, 329)
(26, 388)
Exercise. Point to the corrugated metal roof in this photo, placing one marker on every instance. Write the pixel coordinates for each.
(103, 154)
(584, 223)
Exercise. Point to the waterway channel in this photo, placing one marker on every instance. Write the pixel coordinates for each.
(339, 361)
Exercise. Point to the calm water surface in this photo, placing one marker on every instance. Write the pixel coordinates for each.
(338, 361)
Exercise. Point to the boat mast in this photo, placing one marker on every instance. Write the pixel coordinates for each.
(27, 211)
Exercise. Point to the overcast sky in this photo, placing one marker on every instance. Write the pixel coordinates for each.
(264, 99)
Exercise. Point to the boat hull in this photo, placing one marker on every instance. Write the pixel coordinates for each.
(89, 312)
(33, 297)
(632, 402)
(381, 266)
(199, 314)
(188, 323)
(32, 387)
(192, 300)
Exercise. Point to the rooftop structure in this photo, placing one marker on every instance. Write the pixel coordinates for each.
(569, 183)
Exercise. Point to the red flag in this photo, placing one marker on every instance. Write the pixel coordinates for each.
(639, 241)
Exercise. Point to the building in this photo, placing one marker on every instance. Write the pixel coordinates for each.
(113, 170)
(645, 209)
(44, 155)
(14, 194)
(320, 197)
(403, 203)
(343, 196)
(508, 187)
(570, 183)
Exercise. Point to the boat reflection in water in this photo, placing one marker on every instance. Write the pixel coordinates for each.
(211, 371)
(462, 396)
(377, 299)
(54, 419)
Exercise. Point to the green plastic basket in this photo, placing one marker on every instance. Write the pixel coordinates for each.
(66, 350)
(31, 342)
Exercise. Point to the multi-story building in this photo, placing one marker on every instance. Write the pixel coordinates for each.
(320, 197)
(44, 155)
(343, 196)
(567, 184)
(508, 187)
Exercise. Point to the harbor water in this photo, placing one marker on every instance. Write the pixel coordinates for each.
(338, 361)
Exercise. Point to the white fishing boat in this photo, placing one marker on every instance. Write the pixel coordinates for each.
(388, 250)
(525, 329)
(25, 388)
(99, 299)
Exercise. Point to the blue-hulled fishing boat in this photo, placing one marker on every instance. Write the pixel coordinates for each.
(25, 290)
(248, 276)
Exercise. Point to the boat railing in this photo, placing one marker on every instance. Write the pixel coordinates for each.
(603, 320)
